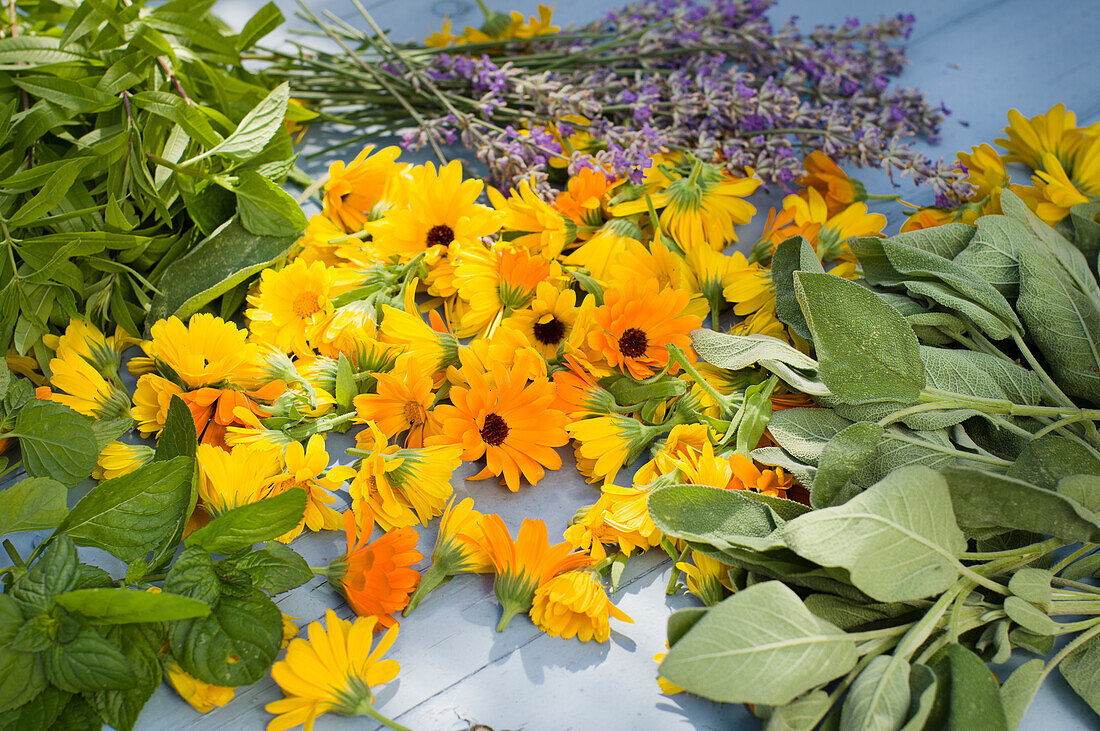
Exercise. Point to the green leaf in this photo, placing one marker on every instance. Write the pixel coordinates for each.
(192, 575)
(793, 255)
(89, 662)
(250, 524)
(715, 517)
(22, 677)
(734, 352)
(846, 453)
(36, 634)
(37, 503)
(274, 569)
(77, 715)
(970, 697)
(73, 95)
(1019, 505)
(346, 388)
(178, 436)
(1019, 689)
(900, 540)
(1086, 228)
(760, 645)
(866, 350)
(126, 606)
(801, 714)
(851, 614)
(879, 697)
(1032, 585)
(40, 712)
(170, 106)
(1081, 669)
(994, 253)
(257, 127)
(1084, 489)
(682, 620)
(233, 646)
(1027, 616)
(56, 442)
(922, 697)
(54, 573)
(804, 432)
(21, 52)
(130, 516)
(1046, 460)
(266, 19)
(265, 208)
(220, 262)
(120, 708)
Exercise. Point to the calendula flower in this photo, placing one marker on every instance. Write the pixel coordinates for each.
(441, 218)
(808, 215)
(207, 351)
(375, 576)
(77, 384)
(345, 331)
(657, 262)
(582, 198)
(84, 339)
(483, 359)
(619, 517)
(289, 305)
(495, 282)
(401, 400)
(202, 696)
(354, 189)
(985, 170)
(229, 480)
(1055, 192)
(542, 229)
(930, 217)
(682, 441)
(320, 241)
(524, 564)
(335, 670)
(747, 476)
(606, 247)
(306, 469)
(635, 323)
(401, 487)
(442, 37)
(458, 549)
(580, 396)
(548, 319)
(511, 422)
(609, 443)
(707, 578)
(574, 604)
(214, 410)
(572, 135)
(152, 397)
(667, 687)
(435, 347)
(838, 190)
(1029, 139)
(119, 458)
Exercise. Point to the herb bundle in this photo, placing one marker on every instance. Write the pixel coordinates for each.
(953, 473)
(712, 78)
(131, 140)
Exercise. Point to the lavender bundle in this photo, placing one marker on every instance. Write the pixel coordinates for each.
(711, 77)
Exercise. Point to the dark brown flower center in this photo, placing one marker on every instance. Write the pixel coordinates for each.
(495, 430)
(633, 343)
(550, 332)
(440, 235)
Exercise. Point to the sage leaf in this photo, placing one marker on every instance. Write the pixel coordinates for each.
(1084, 489)
(922, 697)
(126, 606)
(972, 699)
(274, 569)
(1086, 229)
(1046, 460)
(801, 714)
(760, 645)
(1081, 669)
(866, 350)
(131, 515)
(1019, 690)
(234, 645)
(994, 253)
(56, 442)
(878, 699)
(898, 540)
(89, 662)
(794, 254)
(849, 614)
(716, 517)
(777, 457)
(37, 503)
(1032, 585)
(250, 524)
(804, 432)
(734, 352)
(1019, 506)
(682, 620)
(846, 453)
(1027, 616)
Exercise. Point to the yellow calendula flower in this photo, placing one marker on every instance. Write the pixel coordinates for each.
(320, 241)
(667, 687)
(290, 305)
(207, 351)
(548, 319)
(400, 402)
(119, 458)
(985, 170)
(707, 578)
(354, 189)
(683, 440)
(750, 286)
(345, 331)
(435, 347)
(441, 217)
(1055, 191)
(77, 384)
(1054, 132)
(653, 262)
(610, 442)
(574, 604)
(620, 517)
(458, 549)
(229, 480)
(606, 247)
(84, 339)
(335, 670)
(306, 469)
(152, 397)
(442, 37)
(541, 229)
(202, 696)
(808, 215)
(495, 282)
(401, 487)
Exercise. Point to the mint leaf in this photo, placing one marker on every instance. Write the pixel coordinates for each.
(37, 503)
(56, 442)
(248, 525)
(126, 606)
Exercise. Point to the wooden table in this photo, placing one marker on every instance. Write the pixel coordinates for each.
(981, 58)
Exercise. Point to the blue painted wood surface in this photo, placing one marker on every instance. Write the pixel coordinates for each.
(981, 58)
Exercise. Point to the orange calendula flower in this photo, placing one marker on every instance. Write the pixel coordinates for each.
(524, 564)
(494, 282)
(511, 422)
(747, 476)
(635, 323)
(375, 577)
(335, 670)
(353, 190)
(401, 401)
(202, 696)
(583, 196)
(458, 549)
(834, 185)
(574, 604)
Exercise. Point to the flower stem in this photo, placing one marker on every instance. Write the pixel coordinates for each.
(368, 710)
